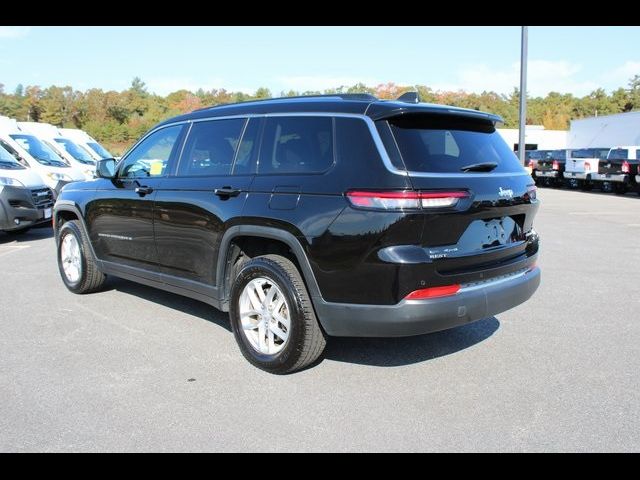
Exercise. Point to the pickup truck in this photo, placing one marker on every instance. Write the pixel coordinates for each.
(550, 169)
(582, 164)
(619, 170)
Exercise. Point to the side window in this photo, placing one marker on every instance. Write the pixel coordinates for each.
(151, 157)
(210, 147)
(296, 145)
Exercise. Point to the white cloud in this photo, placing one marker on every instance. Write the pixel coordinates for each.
(166, 85)
(543, 76)
(321, 82)
(14, 32)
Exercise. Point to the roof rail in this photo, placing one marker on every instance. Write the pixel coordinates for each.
(367, 97)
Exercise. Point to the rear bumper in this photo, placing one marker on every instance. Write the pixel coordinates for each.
(547, 173)
(416, 317)
(605, 177)
(577, 175)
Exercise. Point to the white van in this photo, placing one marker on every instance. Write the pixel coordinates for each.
(66, 148)
(33, 153)
(86, 141)
(25, 201)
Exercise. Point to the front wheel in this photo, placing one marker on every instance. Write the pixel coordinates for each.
(272, 318)
(78, 269)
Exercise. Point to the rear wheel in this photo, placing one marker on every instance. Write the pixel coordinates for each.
(272, 318)
(78, 269)
(620, 188)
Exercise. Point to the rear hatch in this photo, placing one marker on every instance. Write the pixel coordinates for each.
(555, 160)
(585, 160)
(618, 163)
(487, 229)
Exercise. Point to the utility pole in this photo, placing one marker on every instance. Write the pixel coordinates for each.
(523, 93)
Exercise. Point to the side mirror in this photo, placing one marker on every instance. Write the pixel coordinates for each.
(106, 168)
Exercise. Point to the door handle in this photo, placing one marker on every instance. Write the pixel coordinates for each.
(227, 192)
(142, 191)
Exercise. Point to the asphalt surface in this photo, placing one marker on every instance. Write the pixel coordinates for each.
(135, 369)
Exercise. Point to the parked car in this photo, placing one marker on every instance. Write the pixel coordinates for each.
(582, 164)
(85, 140)
(550, 169)
(25, 201)
(73, 154)
(305, 217)
(534, 157)
(619, 170)
(33, 153)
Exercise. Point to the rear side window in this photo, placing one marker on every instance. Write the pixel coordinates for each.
(437, 144)
(618, 154)
(210, 148)
(296, 145)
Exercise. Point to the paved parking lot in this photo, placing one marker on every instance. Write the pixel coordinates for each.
(132, 368)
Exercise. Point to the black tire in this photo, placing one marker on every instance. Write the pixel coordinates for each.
(620, 188)
(306, 340)
(21, 231)
(91, 279)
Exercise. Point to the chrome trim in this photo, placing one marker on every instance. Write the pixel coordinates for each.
(372, 129)
(470, 287)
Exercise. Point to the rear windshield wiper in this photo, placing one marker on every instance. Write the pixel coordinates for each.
(479, 167)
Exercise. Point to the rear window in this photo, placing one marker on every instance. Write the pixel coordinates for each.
(296, 145)
(618, 154)
(436, 144)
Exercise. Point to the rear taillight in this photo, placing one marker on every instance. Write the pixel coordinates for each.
(625, 167)
(587, 166)
(404, 200)
(433, 292)
(555, 165)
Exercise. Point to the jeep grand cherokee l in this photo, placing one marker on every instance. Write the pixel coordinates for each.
(311, 217)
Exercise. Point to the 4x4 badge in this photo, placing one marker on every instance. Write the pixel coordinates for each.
(508, 193)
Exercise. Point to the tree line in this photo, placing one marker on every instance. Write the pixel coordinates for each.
(119, 118)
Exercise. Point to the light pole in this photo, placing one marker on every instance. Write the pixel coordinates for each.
(523, 93)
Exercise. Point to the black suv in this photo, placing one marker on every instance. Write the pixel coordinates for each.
(306, 217)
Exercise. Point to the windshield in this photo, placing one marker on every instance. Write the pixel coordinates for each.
(8, 162)
(100, 150)
(618, 154)
(75, 151)
(38, 150)
(430, 143)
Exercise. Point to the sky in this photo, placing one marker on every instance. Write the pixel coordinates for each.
(563, 59)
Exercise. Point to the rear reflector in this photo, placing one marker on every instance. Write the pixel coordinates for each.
(404, 199)
(433, 292)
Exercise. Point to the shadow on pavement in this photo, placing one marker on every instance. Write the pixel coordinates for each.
(171, 300)
(393, 352)
(384, 352)
(35, 233)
